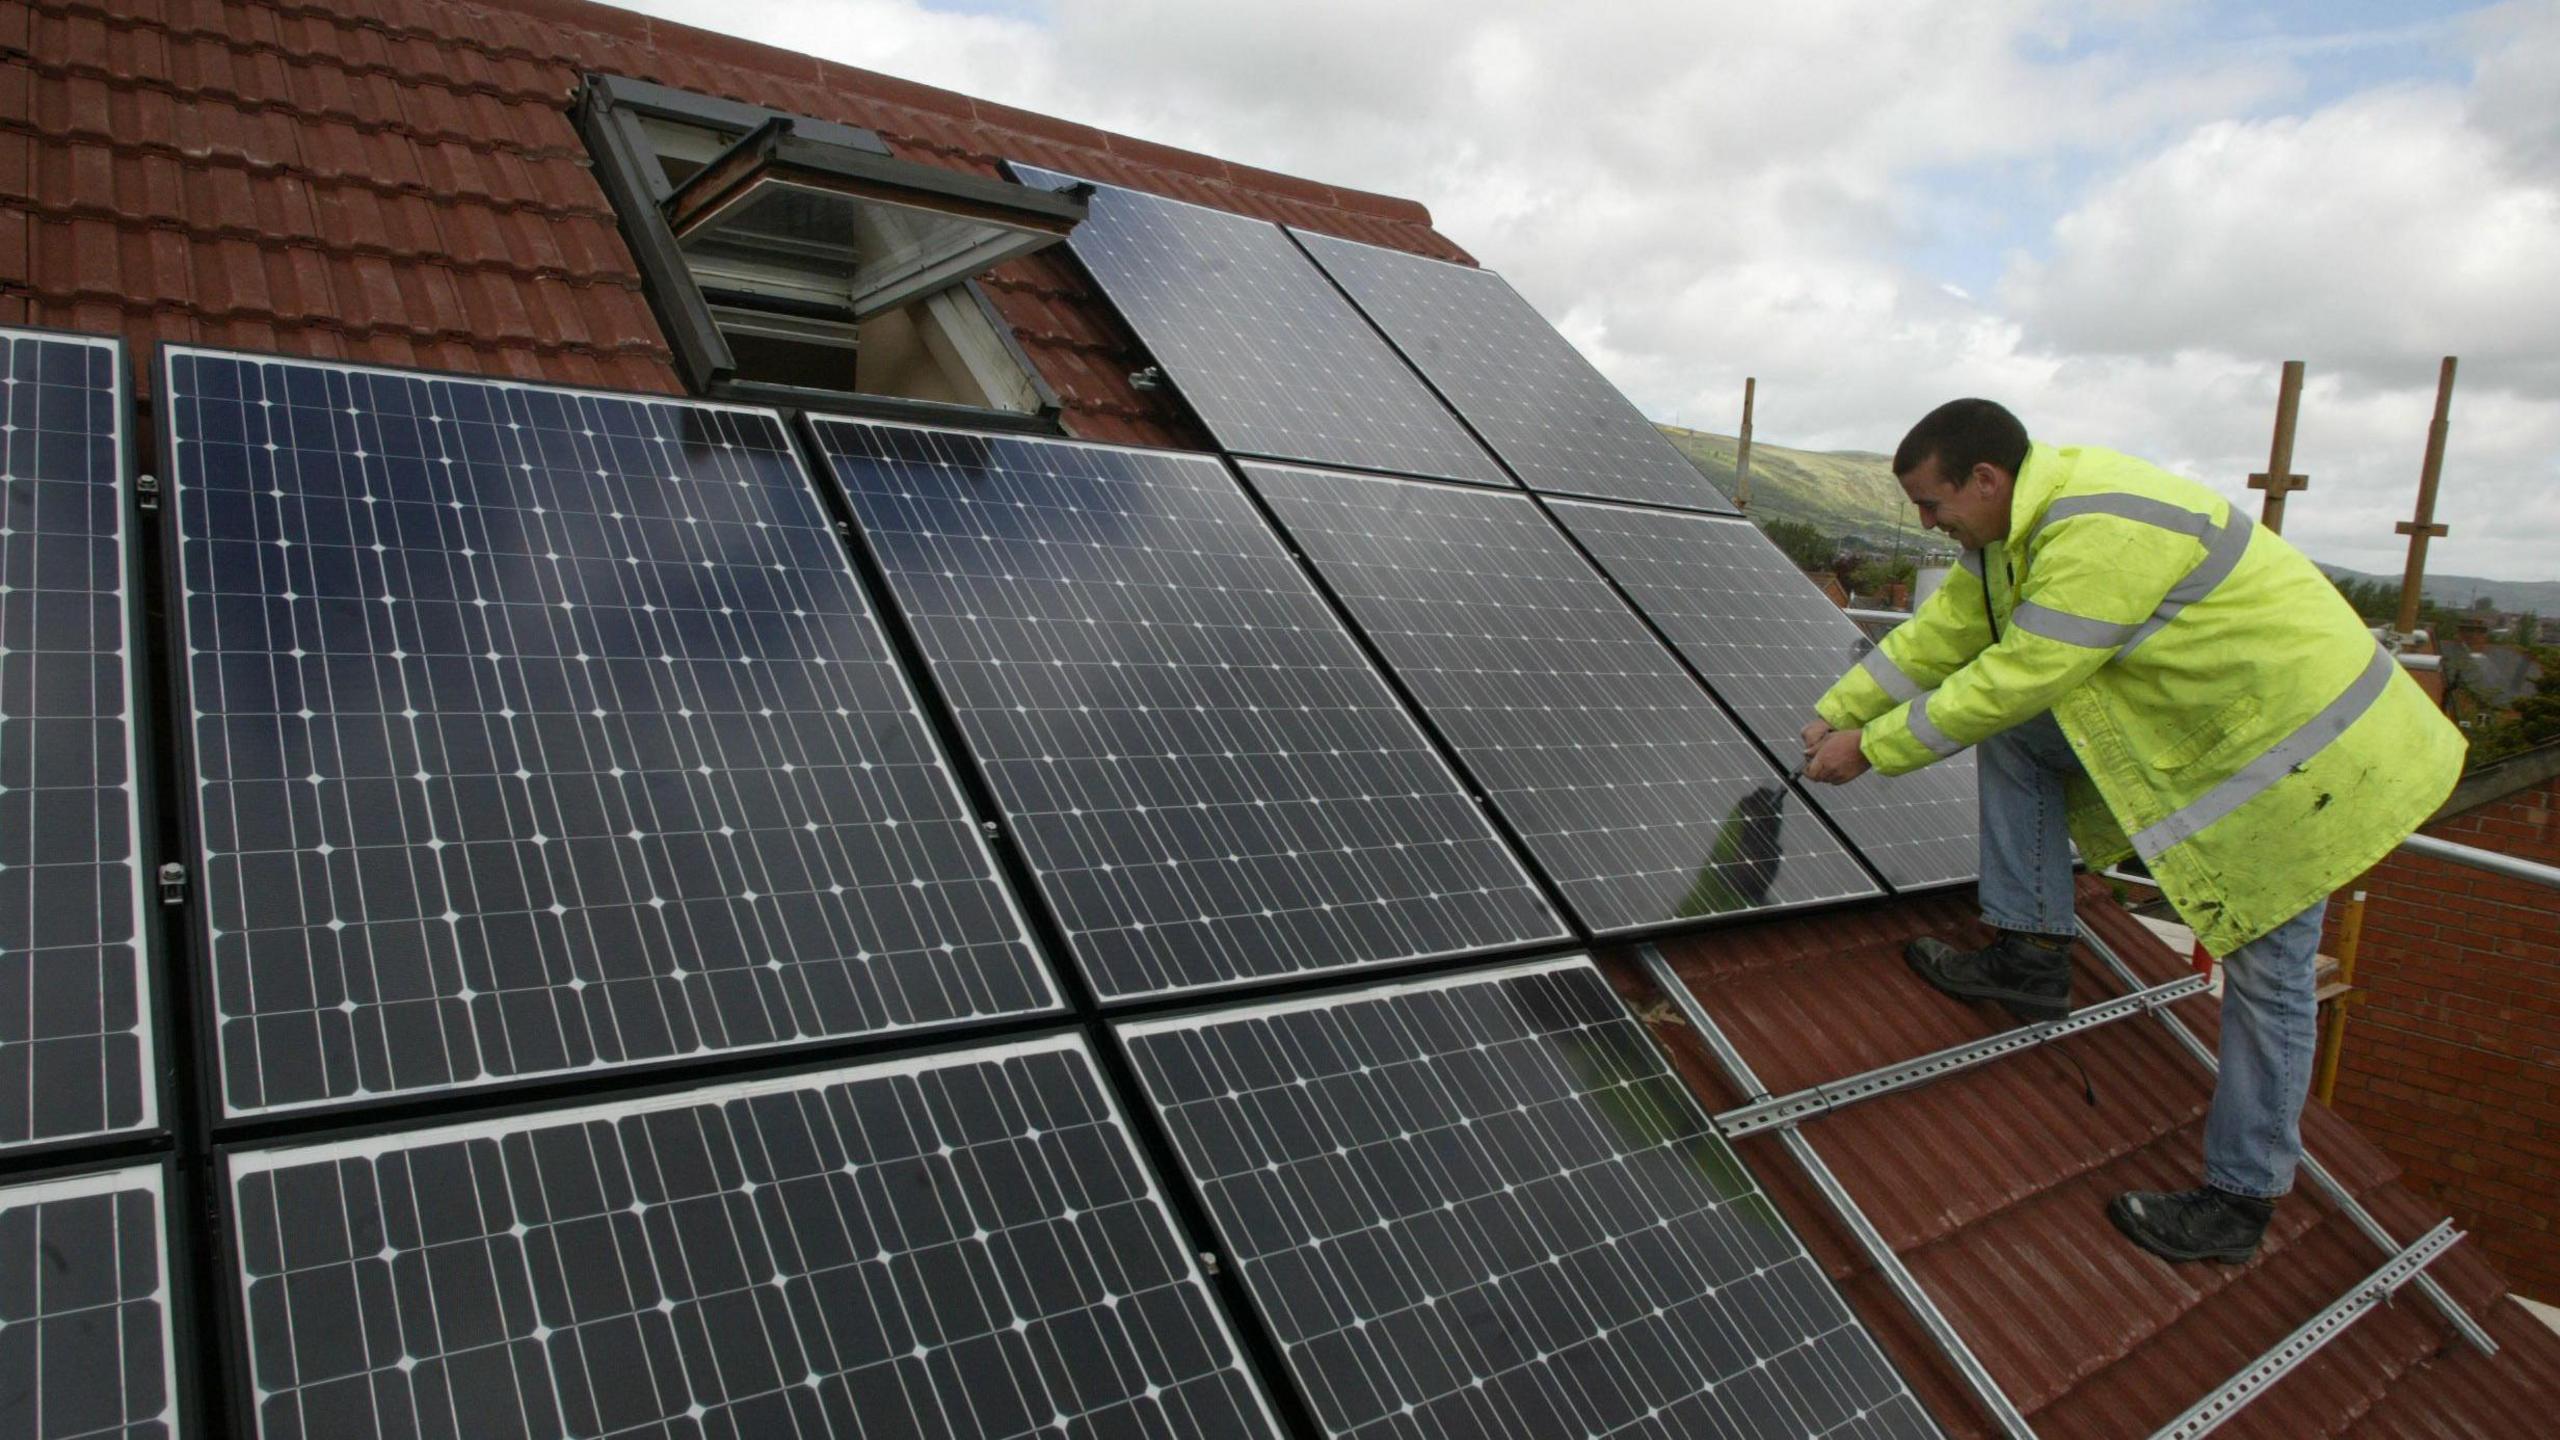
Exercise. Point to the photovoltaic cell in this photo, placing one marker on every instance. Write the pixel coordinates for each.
(1547, 411)
(85, 1345)
(1210, 779)
(541, 731)
(959, 1246)
(1771, 644)
(1637, 795)
(1263, 347)
(76, 1051)
(1485, 1206)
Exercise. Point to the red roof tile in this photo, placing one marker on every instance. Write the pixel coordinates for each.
(1991, 1186)
(398, 180)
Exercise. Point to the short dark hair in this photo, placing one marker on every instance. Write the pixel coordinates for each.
(1960, 435)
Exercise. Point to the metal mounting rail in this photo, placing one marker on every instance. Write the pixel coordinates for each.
(1938, 1064)
(2312, 1170)
(2208, 1413)
(1986, 1390)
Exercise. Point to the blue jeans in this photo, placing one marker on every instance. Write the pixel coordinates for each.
(2270, 1023)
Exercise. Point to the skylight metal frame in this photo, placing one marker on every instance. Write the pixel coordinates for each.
(1018, 219)
(614, 113)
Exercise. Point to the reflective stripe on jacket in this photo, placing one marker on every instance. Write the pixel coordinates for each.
(2242, 730)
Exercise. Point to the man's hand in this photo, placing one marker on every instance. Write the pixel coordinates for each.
(1837, 760)
(1813, 735)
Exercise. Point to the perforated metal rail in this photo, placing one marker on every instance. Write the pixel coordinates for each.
(2312, 1170)
(1938, 1064)
(2207, 1414)
(1986, 1391)
(1785, 1113)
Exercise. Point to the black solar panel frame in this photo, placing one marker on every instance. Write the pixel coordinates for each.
(1839, 824)
(165, 1049)
(1787, 775)
(203, 1057)
(1499, 476)
(1122, 1042)
(227, 1381)
(194, 1352)
(1717, 505)
(1053, 930)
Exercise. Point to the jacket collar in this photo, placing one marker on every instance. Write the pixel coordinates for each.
(2039, 480)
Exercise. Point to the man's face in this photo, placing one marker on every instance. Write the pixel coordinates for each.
(1974, 514)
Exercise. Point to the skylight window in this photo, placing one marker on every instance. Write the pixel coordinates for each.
(797, 261)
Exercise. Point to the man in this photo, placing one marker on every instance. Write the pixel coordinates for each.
(2145, 671)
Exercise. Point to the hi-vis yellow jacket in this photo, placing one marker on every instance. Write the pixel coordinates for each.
(2241, 729)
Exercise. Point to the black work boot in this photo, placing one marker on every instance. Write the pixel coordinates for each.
(2030, 974)
(2199, 1224)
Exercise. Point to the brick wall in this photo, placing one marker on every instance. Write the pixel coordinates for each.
(2452, 1061)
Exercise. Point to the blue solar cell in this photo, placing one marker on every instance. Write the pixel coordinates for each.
(1629, 786)
(1259, 343)
(86, 1351)
(539, 731)
(1211, 781)
(1771, 644)
(1485, 1206)
(1552, 417)
(76, 1055)
(966, 1245)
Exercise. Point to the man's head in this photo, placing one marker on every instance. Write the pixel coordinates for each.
(1960, 465)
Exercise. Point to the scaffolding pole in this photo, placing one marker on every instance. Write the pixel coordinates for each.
(2278, 479)
(2424, 527)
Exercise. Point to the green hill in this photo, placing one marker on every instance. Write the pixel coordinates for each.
(1848, 493)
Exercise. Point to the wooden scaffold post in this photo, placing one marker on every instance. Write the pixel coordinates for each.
(1742, 449)
(2424, 527)
(2278, 479)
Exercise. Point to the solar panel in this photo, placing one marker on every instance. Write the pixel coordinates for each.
(1485, 1206)
(965, 1245)
(1211, 781)
(1548, 412)
(1630, 787)
(85, 1347)
(1771, 644)
(540, 731)
(1267, 352)
(76, 1052)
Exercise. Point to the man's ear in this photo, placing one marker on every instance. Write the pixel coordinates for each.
(1986, 474)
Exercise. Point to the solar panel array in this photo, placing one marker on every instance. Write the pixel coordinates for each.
(1548, 412)
(1265, 350)
(548, 740)
(1772, 644)
(1485, 1206)
(963, 1246)
(1633, 791)
(76, 1054)
(86, 1351)
(539, 731)
(1209, 778)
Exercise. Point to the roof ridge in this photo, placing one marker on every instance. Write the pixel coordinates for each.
(871, 87)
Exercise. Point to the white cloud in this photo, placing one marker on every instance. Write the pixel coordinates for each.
(1698, 191)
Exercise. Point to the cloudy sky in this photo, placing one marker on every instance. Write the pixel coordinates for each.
(2116, 216)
